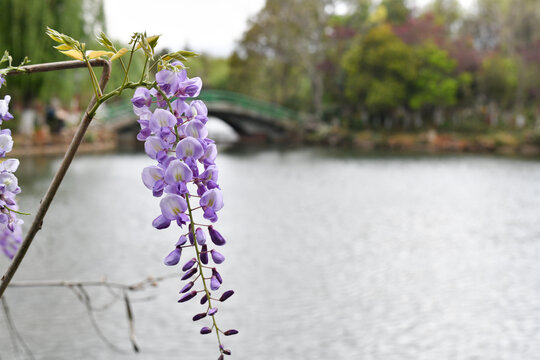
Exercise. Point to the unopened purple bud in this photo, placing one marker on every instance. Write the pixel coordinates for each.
(221, 357)
(161, 222)
(214, 283)
(212, 311)
(206, 330)
(181, 241)
(199, 235)
(199, 316)
(189, 264)
(227, 352)
(217, 275)
(188, 296)
(230, 332)
(173, 258)
(227, 294)
(189, 274)
(204, 254)
(216, 237)
(187, 287)
(204, 299)
(217, 256)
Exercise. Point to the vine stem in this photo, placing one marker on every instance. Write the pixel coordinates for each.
(192, 226)
(68, 157)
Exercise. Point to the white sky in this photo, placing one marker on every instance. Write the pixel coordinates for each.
(210, 26)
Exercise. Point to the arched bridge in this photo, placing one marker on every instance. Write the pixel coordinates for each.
(247, 116)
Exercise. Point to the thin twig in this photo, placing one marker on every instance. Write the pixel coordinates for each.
(129, 315)
(68, 158)
(83, 296)
(13, 330)
(140, 285)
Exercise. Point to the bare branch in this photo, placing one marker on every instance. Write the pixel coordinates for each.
(68, 158)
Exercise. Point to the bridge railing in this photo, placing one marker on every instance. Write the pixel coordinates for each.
(123, 110)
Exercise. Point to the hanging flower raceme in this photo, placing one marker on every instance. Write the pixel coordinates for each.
(175, 136)
(10, 225)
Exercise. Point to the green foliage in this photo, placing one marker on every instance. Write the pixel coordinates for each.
(499, 78)
(397, 10)
(21, 32)
(435, 83)
(379, 68)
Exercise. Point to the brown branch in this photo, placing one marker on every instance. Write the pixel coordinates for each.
(140, 285)
(68, 158)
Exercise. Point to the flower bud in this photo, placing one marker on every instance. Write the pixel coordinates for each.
(212, 311)
(187, 287)
(216, 237)
(201, 238)
(204, 299)
(199, 316)
(204, 254)
(214, 283)
(205, 330)
(217, 256)
(188, 296)
(189, 274)
(230, 332)
(181, 241)
(173, 258)
(189, 264)
(227, 294)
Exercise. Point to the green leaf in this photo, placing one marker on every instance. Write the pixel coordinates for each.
(94, 54)
(181, 55)
(104, 40)
(119, 54)
(76, 54)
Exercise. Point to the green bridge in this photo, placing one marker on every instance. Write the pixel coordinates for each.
(247, 116)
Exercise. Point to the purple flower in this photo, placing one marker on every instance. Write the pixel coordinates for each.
(217, 257)
(212, 311)
(189, 264)
(214, 283)
(194, 128)
(205, 330)
(216, 237)
(188, 296)
(4, 109)
(156, 148)
(204, 254)
(176, 172)
(227, 294)
(189, 148)
(173, 207)
(173, 258)
(167, 81)
(152, 177)
(199, 316)
(230, 332)
(141, 98)
(161, 222)
(161, 119)
(201, 238)
(211, 202)
(187, 287)
(6, 144)
(189, 274)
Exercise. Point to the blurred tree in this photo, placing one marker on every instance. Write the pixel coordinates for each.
(285, 44)
(22, 33)
(397, 11)
(498, 79)
(434, 85)
(379, 68)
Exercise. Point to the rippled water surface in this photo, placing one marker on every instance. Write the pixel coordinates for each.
(332, 256)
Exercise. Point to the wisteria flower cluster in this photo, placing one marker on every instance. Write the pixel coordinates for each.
(10, 224)
(175, 135)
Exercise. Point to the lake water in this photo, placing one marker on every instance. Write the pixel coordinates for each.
(333, 255)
